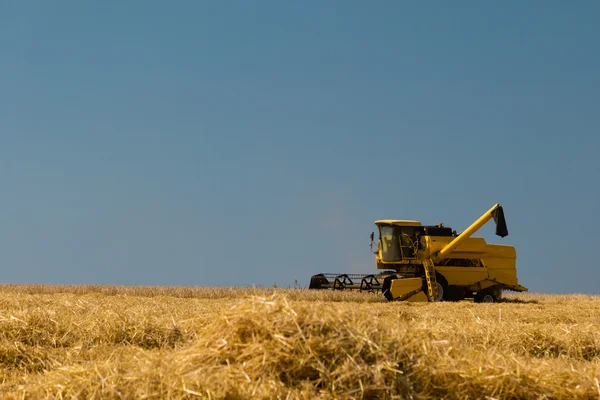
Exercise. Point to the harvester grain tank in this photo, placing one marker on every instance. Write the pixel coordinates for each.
(433, 263)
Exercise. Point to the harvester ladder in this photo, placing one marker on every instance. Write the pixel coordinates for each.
(432, 289)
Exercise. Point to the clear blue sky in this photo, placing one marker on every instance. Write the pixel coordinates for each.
(239, 143)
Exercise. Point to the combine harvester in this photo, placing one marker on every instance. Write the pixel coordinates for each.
(433, 263)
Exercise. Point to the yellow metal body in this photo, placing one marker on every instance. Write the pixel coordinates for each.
(474, 227)
(398, 222)
(409, 289)
(463, 264)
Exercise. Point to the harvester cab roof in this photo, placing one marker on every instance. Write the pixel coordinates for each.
(398, 222)
(418, 228)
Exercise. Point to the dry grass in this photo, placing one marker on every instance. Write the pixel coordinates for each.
(135, 342)
(189, 292)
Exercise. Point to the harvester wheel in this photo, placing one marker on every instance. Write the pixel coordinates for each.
(485, 297)
(442, 287)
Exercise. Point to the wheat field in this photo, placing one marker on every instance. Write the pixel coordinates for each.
(108, 342)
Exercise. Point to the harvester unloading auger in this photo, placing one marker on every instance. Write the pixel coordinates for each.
(433, 263)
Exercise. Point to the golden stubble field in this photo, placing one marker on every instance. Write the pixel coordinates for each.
(158, 342)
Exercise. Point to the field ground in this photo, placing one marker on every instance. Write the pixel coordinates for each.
(159, 342)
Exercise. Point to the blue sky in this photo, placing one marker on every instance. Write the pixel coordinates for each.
(240, 143)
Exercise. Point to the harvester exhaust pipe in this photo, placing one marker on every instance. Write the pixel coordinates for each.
(496, 212)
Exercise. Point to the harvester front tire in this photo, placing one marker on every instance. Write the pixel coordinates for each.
(442, 287)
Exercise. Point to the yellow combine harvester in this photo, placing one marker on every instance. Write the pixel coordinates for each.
(434, 263)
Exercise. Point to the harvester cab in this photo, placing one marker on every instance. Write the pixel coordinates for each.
(399, 240)
(433, 263)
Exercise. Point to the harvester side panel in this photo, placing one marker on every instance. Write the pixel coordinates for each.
(494, 212)
(501, 262)
(463, 276)
(469, 248)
